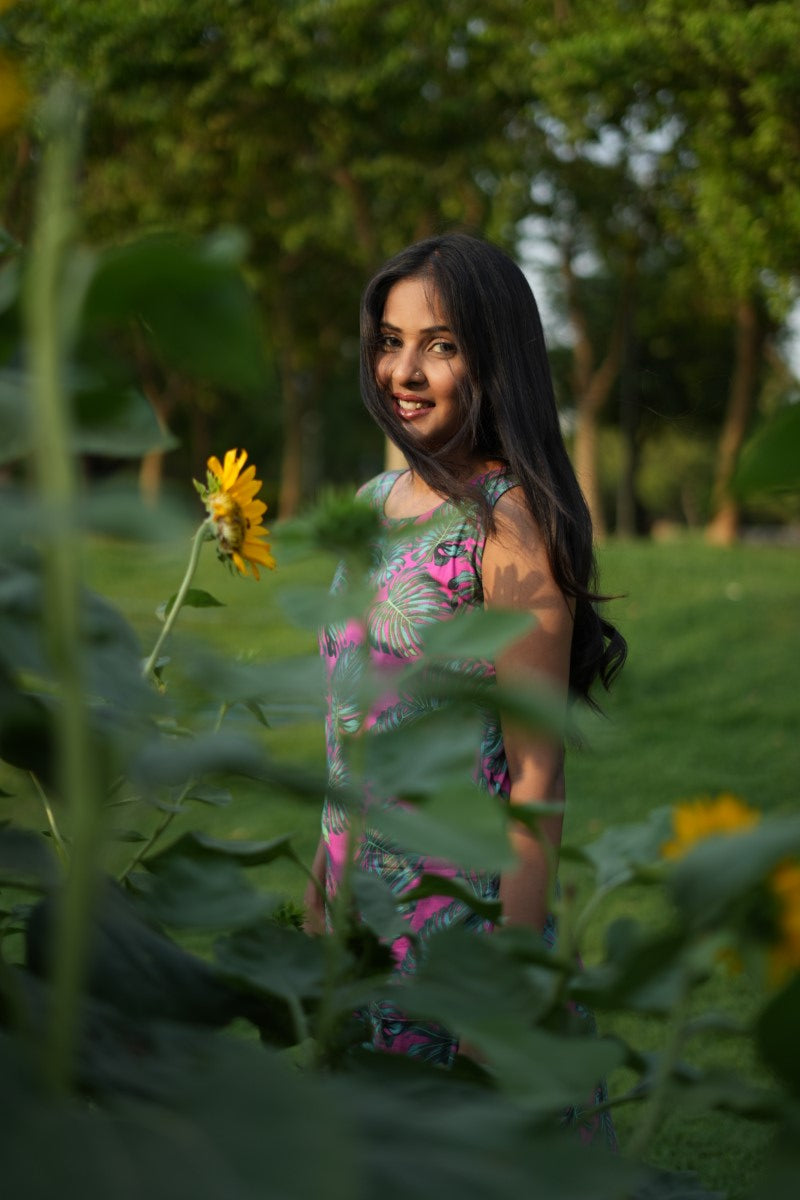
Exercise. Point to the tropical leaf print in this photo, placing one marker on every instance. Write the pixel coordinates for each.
(407, 708)
(466, 589)
(390, 558)
(335, 815)
(445, 551)
(449, 525)
(414, 599)
(345, 714)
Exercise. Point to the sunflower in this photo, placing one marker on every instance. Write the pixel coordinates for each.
(773, 916)
(699, 819)
(230, 500)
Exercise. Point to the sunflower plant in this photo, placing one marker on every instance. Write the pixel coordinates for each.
(235, 523)
(121, 1046)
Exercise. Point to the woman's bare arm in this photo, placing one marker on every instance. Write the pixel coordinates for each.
(517, 575)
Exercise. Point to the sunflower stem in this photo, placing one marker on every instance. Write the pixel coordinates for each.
(675, 1037)
(49, 311)
(148, 670)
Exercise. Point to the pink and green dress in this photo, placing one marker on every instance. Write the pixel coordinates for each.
(427, 569)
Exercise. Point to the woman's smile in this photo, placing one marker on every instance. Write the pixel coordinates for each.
(410, 407)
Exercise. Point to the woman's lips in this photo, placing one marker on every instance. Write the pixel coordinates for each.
(411, 407)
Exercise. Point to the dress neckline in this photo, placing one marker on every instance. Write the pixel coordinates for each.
(425, 516)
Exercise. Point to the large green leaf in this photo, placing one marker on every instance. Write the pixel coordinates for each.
(377, 906)
(209, 891)
(135, 969)
(233, 1122)
(275, 960)
(483, 1146)
(642, 970)
(25, 859)
(776, 1034)
(468, 983)
(624, 851)
(192, 301)
(718, 872)
(14, 417)
(116, 422)
(476, 633)
(461, 825)
(770, 462)
(423, 756)
(247, 853)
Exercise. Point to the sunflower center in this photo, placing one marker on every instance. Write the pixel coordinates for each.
(230, 522)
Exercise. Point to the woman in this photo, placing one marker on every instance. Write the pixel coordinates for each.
(489, 513)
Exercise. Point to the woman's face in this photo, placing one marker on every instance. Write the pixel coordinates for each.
(418, 364)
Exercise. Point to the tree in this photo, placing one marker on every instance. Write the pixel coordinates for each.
(333, 131)
(713, 97)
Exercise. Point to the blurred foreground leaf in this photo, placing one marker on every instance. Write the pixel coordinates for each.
(770, 462)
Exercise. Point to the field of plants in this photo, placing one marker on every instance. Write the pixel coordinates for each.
(165, 1023)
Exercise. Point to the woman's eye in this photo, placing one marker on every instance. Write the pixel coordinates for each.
(387, 341)
(446, 348)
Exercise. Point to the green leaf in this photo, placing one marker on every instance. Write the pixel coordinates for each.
(25, 859)
(439, 885)
(461, 825)
(206, 794)
(253, 707)
(624, 850)
(202, 846)
(485, 1147)
(770, 461)
(377, 906)
(185, 893)
(15, 433)
(422, 756)
(118, 423)
(641, 971)
(194, 598)
(191, 301)
(133, 968)
(469, 984)
(718, 872)
(776, 1035)
(171, 761)
(275, 960)
(476, 633)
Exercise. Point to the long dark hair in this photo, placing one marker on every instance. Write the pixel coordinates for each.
(509, 413)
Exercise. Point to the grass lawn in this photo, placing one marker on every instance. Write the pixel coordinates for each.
(706, 704)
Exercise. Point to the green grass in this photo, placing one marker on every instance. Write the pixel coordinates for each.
(705, 704)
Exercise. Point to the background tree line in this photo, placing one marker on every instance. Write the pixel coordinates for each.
(647, 152)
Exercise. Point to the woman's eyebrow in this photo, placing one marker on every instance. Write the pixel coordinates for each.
(430, 328)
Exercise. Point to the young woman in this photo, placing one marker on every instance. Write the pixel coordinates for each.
(489, 513)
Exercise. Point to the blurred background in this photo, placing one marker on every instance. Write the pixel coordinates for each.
(641, 161)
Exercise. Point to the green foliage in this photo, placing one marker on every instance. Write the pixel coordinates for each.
(114, 1048)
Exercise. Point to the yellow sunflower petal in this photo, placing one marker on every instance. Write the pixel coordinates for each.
(215, 466)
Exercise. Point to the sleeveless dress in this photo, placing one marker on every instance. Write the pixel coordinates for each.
(426, 569)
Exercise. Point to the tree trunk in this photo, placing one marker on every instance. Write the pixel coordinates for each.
(723, 527)
(291, 483)
(586, 466)
(627, 523)
(592, 384)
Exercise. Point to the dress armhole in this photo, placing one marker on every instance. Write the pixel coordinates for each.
(495, 487)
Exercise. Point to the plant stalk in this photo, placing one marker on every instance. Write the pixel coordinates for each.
(48, 317)
(148, 670)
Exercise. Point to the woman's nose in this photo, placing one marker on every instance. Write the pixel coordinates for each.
(408, 370)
